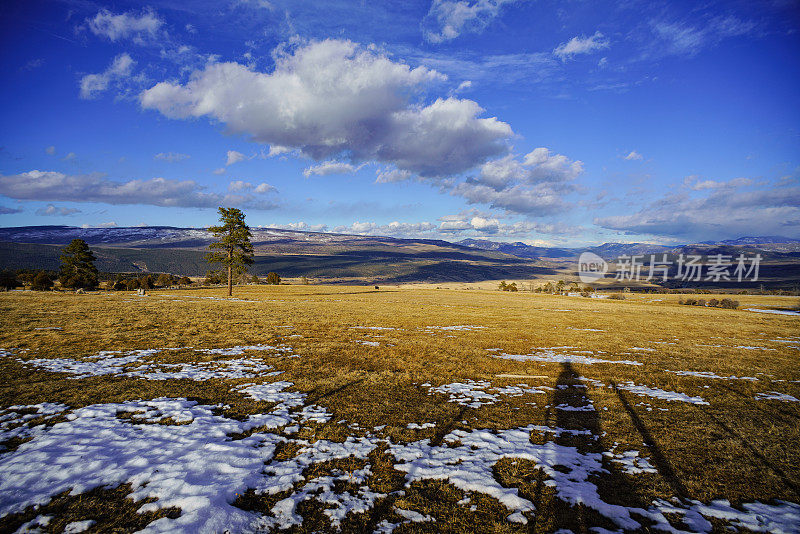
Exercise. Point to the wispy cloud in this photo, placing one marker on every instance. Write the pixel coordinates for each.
(56, 186)
(139, 27)
(52, 210)
(581, 45)
(92, 85)
(448, 19)
(171, 157)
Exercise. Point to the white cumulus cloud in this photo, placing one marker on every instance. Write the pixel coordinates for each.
(334, 98)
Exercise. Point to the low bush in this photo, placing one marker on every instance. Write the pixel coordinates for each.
(729, 304)
(41, 282)
(616, 296)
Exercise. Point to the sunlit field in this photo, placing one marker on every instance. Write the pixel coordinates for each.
(321, 408)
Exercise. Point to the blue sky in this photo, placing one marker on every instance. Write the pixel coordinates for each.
(561, 123)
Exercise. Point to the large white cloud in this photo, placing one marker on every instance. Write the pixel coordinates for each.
(56, 186)
(334, 98)
(447, 19)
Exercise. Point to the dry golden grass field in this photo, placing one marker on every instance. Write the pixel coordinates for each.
(415, 410)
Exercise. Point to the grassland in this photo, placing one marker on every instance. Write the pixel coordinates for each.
(379, 386)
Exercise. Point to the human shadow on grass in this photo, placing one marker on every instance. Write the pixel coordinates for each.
(577, 423)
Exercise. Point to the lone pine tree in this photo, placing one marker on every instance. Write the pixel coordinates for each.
(233, 248)
(77, 266)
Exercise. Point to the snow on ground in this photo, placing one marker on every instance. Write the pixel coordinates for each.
(454, 328)
(775, 395)
(476, 394)
(656, 393)
(136, 363)
(199, 468)
(631, 462)
(551, 356)
(423, 426)
(709, 374)
(368, 343)
(777, 312)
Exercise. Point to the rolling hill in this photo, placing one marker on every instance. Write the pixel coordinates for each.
(328, 257)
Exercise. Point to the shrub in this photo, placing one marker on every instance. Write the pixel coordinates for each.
(41, 282)
(185, 281)
(146, 282)
(701, 302)
(729, 304)
(713, 302)
(213, 277)
(689, 302)
(9, 280)
(304, 280)
(511, 287)
(164, 280)
(616, 296)
(502, 286)
(273, 279)
(254, 279)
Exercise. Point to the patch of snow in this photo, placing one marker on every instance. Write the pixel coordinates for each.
(454, 328)
(134, 364)
(709, 374)
(656, 393)
(775, 395)
(631, 462)
(79, 526)
(369, 343)
(423, 426)
(550, 356)
(414, 517)
(777, 312)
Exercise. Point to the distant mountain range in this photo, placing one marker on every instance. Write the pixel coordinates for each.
(353, 258)
(322, 256)
(611, 251)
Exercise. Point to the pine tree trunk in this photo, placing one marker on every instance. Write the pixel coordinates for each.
(230, 276)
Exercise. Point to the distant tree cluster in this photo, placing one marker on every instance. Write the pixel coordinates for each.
(508, 287)
(726, 303)
(561, 287)
(146, 281)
